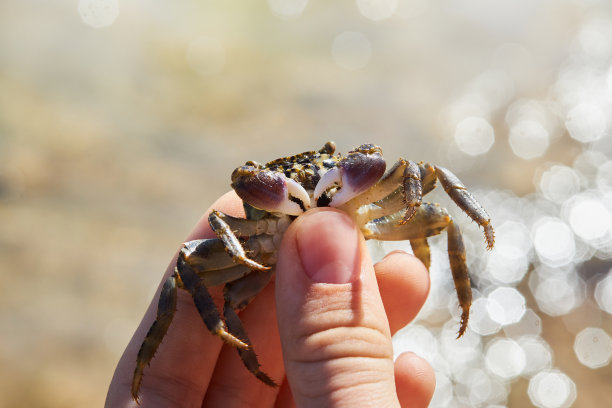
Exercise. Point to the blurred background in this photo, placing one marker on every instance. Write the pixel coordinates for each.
(120, 123)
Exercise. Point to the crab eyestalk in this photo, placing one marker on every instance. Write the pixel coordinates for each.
(270, 190)
(353, 175)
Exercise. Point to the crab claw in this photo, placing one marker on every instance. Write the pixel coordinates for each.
(354, 174)
(270, 190)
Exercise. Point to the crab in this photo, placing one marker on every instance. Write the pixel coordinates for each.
(385, 205)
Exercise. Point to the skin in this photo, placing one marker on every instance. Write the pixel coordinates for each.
(324, 333)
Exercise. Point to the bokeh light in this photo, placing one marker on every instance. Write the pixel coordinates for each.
(510, 260)
(529, 325)
(604, 176)
(553, 241)
(589, 217)
(552, 389)
(559, 182)
(505, 358)
(506, 305)
(529, 139)
(538, 354)
(593, 347)
(98, 13)
(586, 123)
(377, 10)
(416, 339)
(480, 319)
(603, 293)
(557, 295)
(474, 136)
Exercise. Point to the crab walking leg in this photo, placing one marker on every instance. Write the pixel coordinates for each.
(413, 191)
(232, 244)
(238, 295)
(428, 177)
(251, 227)
(461, 277)
(205, 304)
(429, 220)
(206, 255)
(459, 194)
(391, 204)
(420, 248)
(165, 312)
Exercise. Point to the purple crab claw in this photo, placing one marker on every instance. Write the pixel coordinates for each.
(353, 175)
(270, 190)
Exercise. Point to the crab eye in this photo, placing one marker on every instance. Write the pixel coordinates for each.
(356, 173)
(270, 191)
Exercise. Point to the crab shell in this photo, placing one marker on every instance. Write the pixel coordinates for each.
(272, 190)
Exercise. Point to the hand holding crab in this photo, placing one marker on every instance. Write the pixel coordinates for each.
(383, 206)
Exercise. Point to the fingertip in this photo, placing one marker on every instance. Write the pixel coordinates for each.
(409, 262)
(415, 380)
(404, 284)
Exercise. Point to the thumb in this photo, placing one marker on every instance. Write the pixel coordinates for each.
(333, 327)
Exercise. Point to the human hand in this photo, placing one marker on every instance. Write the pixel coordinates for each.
(332, 344)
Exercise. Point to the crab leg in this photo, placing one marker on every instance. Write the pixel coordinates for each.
(413, 192)
(461, 277)
(428, 177)
(420, 248)
(238, 295)
(206, 255)
(429, 220)
(250, 227)
(205, 304)
(165, 312)
(230, 241)
(459, 194)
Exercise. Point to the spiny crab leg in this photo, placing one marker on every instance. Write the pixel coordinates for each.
(205, 304)
(165, 312)
(420, 248)
(459, 194)
(202, 263)
(413, 191)
(238, 295)
(461, 277)
(429, 220)
(231, 243)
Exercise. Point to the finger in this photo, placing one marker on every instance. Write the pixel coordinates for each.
(403, 282)
(180, 372)
(334, 331)
(284, 398)
(232, 385)
(415, 381)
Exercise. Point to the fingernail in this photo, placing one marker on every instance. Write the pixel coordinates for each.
(328, 245)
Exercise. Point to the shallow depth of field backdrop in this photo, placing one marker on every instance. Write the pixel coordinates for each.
(121, 121)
